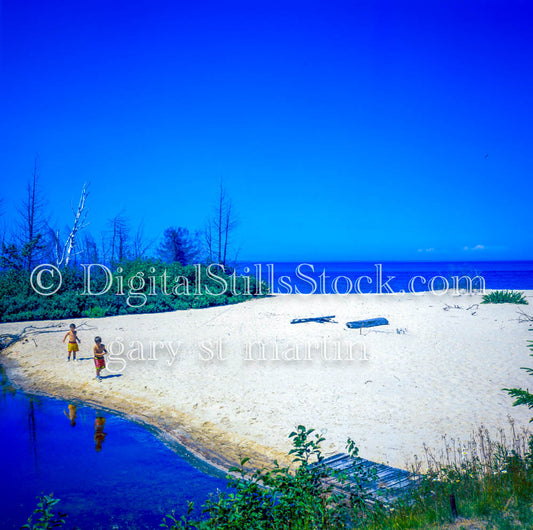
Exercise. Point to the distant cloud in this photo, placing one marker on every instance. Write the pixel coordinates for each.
(477, 247)
(426, 249)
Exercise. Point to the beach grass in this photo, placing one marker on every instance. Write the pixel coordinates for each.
(490, 485)
(504, 297)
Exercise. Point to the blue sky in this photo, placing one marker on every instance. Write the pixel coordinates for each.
(341, 130)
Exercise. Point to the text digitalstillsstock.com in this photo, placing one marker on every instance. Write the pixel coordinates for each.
(46, 280)
(121, 352)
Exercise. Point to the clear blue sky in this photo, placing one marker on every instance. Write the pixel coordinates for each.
(342, 130)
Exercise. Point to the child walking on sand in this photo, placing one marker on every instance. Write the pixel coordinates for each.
(72, 342)
(99, 361)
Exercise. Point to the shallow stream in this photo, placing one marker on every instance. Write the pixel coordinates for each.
(109, 472)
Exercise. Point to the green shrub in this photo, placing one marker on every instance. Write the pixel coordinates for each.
(19, 302)
(96, 312)
(504, 297)
(521, 395)
(44, 515)
(281, 498)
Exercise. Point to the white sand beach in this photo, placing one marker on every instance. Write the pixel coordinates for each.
(202, 377)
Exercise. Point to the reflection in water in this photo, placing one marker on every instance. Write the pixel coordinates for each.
(99, 434)
(72, 410)
(7, 387)
(144, 478)
(33, 431)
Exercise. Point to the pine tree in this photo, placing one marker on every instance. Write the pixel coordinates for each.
(178, 245)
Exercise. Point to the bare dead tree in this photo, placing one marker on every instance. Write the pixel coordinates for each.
(2, 226)
(32, 225)
(89, 249)
(139, 245)
(119, 238)
(230, 223)
(104, 247)
(123, 232)
(65, 254)
(218, 221)
(220, 228)
(208, 239)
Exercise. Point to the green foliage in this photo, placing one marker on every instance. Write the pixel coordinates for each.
(43, 517)
(497, 488)
(501, 497)
(179, 245)
(358, 481)
(96, 312)
(138, 286)
(305, 449)
(489, 480)
(504, 297)
(281, 497)
(183, 523)
(19, 258)
(523, 397)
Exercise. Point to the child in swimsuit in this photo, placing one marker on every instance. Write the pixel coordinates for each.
(99, 352)
(72, 342)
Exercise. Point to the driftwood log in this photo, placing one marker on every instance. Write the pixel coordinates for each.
(321, 320)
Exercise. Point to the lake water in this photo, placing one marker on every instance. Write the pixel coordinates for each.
(108, 472)
(310, 277)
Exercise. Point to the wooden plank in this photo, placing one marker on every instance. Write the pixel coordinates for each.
(334, 458)
(399, 484)
(389, 474)
(384, 482)
(345, 464)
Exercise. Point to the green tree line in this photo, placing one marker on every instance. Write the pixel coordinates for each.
(134, 274)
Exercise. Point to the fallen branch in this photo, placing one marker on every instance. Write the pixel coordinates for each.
(447, 307)
(8, 339)
(523, 317)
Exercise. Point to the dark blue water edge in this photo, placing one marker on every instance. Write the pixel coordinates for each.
(108, 471)
(308, 277)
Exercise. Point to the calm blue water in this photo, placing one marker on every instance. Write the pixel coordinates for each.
(107, 471)
(385, 277)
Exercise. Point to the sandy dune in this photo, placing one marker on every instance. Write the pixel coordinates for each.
(233, 381)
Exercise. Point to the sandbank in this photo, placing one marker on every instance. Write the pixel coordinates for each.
(232, 381)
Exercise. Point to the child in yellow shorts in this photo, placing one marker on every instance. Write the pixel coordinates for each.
(72, 342)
